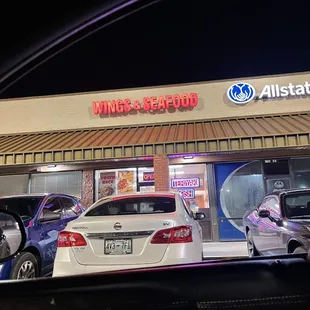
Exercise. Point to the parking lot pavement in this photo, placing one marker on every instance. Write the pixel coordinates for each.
(224, 249)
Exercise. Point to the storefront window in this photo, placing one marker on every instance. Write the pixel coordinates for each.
(116, 181)
(57, 182)
(191, 182)
(301, 172)
(14, 184)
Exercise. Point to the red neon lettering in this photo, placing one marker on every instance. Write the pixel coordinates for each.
(98, 107)
(153, 103)
(146, 104)
(153, 100)
(168, 101)
(185, 100)
(127, 105)
(119, 106)
(193, 99)
(161, 103)
(148, 176)
(176, 101)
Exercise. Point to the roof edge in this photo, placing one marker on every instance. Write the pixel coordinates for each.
(307, 112)
(156, 86)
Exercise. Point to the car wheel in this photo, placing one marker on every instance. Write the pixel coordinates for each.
(252, 252)
(25, 266)
(300, 250)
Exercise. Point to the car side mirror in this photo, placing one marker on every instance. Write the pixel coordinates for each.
(263, 213)
(48, 217)
(199, 216)
(12, 235)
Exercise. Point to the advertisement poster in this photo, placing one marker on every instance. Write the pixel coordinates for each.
(145, 189)
(126, 182)
(107, 184)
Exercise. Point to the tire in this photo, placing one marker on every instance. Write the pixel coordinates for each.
(252, 251)
(300, 250)
(25, 266)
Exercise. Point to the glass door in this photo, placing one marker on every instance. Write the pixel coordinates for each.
(239, 188)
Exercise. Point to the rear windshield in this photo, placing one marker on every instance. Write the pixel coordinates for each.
(135, 205)
(297, 205)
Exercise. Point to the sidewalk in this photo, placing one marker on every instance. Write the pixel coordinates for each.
(224, 249)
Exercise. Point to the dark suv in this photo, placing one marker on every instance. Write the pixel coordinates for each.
(44, 215)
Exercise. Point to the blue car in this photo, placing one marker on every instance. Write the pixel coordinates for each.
(44, 215)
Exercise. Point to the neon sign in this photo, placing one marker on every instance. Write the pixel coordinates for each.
(147, 104)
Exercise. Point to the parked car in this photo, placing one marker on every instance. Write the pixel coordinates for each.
(43, 215)
(130, 231)
(280, 224)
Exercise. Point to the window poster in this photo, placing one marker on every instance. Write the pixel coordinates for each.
(113, 182)
(126, 181)
(147, 189)
(107, 184)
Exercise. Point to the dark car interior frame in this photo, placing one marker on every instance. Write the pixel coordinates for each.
(264, 283)
(95, 17)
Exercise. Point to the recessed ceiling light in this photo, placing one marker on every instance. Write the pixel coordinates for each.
(188, 157)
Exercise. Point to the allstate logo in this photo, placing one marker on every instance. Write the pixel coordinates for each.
(278, 184)
(241, 93)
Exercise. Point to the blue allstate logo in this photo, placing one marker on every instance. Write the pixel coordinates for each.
(241, 93)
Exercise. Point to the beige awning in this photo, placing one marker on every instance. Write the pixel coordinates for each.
(247, 133)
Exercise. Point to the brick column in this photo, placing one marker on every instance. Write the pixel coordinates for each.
(161, 173)
(88, 188)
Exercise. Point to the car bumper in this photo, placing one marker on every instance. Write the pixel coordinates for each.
(5, 270)
(66, 264)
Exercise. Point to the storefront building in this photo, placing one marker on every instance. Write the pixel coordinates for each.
(221, 144)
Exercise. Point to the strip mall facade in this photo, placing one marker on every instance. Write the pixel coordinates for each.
(222, 144)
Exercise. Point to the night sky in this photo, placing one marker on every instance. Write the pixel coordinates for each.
(179, 41)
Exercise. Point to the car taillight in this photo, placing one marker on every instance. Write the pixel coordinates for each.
(179, 234)
(69, 239)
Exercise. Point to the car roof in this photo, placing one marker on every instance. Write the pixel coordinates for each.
(141, 194)
(289, 191)
(136, 194)
(36, 195)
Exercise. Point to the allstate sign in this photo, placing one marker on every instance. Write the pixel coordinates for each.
(241, 93)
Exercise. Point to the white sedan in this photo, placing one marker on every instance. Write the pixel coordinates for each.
(130, 231)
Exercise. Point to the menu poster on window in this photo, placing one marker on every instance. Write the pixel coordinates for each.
(107, 185)
(126, 182)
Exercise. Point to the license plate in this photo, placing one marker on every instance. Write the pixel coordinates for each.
(117, 246)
